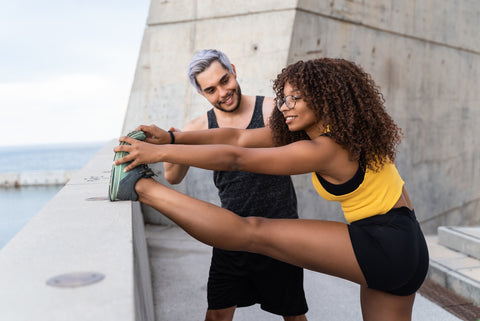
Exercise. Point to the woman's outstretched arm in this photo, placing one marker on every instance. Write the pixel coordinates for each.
(296, 158)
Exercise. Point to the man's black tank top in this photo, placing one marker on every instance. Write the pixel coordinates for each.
(249, 194)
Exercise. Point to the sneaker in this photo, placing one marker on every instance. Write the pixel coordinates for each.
(122, 185)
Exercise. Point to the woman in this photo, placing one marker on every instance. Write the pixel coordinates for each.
(331, 121)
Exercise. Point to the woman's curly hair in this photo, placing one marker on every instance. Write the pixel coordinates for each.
(346, 99)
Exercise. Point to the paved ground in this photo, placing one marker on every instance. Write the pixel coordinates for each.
(180, 270)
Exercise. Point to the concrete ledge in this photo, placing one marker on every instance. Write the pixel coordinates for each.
(144, 305)
(79, 230)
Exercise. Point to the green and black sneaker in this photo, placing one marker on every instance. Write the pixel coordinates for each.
(122, 185)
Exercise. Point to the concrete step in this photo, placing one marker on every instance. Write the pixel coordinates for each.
(463, 239)
(454, 270)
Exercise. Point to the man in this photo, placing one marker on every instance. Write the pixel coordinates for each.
(239, 279)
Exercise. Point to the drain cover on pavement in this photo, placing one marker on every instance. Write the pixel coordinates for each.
(75, 279)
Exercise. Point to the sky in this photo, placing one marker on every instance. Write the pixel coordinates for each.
(66, 68)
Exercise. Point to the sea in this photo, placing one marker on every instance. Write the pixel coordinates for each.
(18, 205)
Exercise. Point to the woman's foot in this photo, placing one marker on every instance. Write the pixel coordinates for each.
(122, 185)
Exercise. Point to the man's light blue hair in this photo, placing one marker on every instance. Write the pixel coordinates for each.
(202, 60)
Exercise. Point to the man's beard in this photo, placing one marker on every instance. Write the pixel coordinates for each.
(237, 92)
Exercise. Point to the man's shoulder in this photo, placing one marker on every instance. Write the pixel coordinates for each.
(199, 123)
(267, 108)
(268, 102)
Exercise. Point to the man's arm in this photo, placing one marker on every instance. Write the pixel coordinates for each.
(258, 137)
(197, 133)
(175, 173)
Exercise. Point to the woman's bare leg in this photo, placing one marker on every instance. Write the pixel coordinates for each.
(379, 305)
(321, 246)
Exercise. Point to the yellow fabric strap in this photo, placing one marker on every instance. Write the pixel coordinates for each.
(377, 194)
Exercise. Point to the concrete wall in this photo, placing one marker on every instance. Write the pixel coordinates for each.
(79, 231)
(423, 54)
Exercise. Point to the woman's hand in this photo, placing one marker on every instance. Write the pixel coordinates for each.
(138, 152)
(155, 135)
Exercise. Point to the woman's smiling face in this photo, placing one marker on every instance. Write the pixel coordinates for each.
(300, 117)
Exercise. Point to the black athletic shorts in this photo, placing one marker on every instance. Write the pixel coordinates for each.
(391, 251)
(243, 279)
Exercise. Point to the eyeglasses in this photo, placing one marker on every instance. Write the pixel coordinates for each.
(289, 101)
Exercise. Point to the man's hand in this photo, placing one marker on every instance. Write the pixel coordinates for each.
(155, 135)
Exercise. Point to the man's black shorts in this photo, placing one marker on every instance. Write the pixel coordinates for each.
(243, 279)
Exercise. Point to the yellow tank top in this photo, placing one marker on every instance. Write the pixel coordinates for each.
(367, 194)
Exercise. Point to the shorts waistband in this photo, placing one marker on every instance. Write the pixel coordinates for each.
(383, 218)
